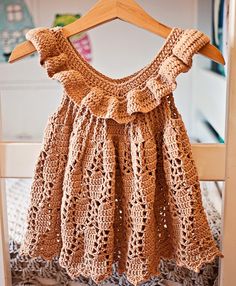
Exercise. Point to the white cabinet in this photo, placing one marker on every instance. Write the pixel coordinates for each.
(27, 97)
(209, 92)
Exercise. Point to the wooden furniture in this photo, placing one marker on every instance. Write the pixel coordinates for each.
(214, 162)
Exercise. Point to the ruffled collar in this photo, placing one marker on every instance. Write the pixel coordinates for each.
(124, 84)
(117, 99)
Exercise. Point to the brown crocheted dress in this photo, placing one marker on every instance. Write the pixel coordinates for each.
(115, 180)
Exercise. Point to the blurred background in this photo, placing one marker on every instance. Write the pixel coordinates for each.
(117, 49)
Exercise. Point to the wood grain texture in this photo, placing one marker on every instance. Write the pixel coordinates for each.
(107, 10)
(19, 160)
(227, 271)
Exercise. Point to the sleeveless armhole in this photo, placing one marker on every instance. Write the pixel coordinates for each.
(193, 242)
(180, 61)
(43, 221)
(188, 44)
(54, 62)
(50, 57)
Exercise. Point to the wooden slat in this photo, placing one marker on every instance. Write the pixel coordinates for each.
(227, 269)
(210, 161)
(19, 160)
(5, 273)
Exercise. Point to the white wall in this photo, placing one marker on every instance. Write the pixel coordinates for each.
(119, 49)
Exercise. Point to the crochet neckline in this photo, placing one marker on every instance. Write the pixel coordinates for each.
(125, 83)
(118, 99)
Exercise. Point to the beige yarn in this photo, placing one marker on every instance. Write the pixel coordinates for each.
(115, 180)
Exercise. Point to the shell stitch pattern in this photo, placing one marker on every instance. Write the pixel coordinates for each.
(115, 181)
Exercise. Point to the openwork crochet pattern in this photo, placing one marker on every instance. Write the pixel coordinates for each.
(115, 180)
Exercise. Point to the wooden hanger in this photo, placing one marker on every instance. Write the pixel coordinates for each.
(107, 10)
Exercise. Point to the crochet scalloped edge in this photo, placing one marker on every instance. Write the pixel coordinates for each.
(106, 105)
